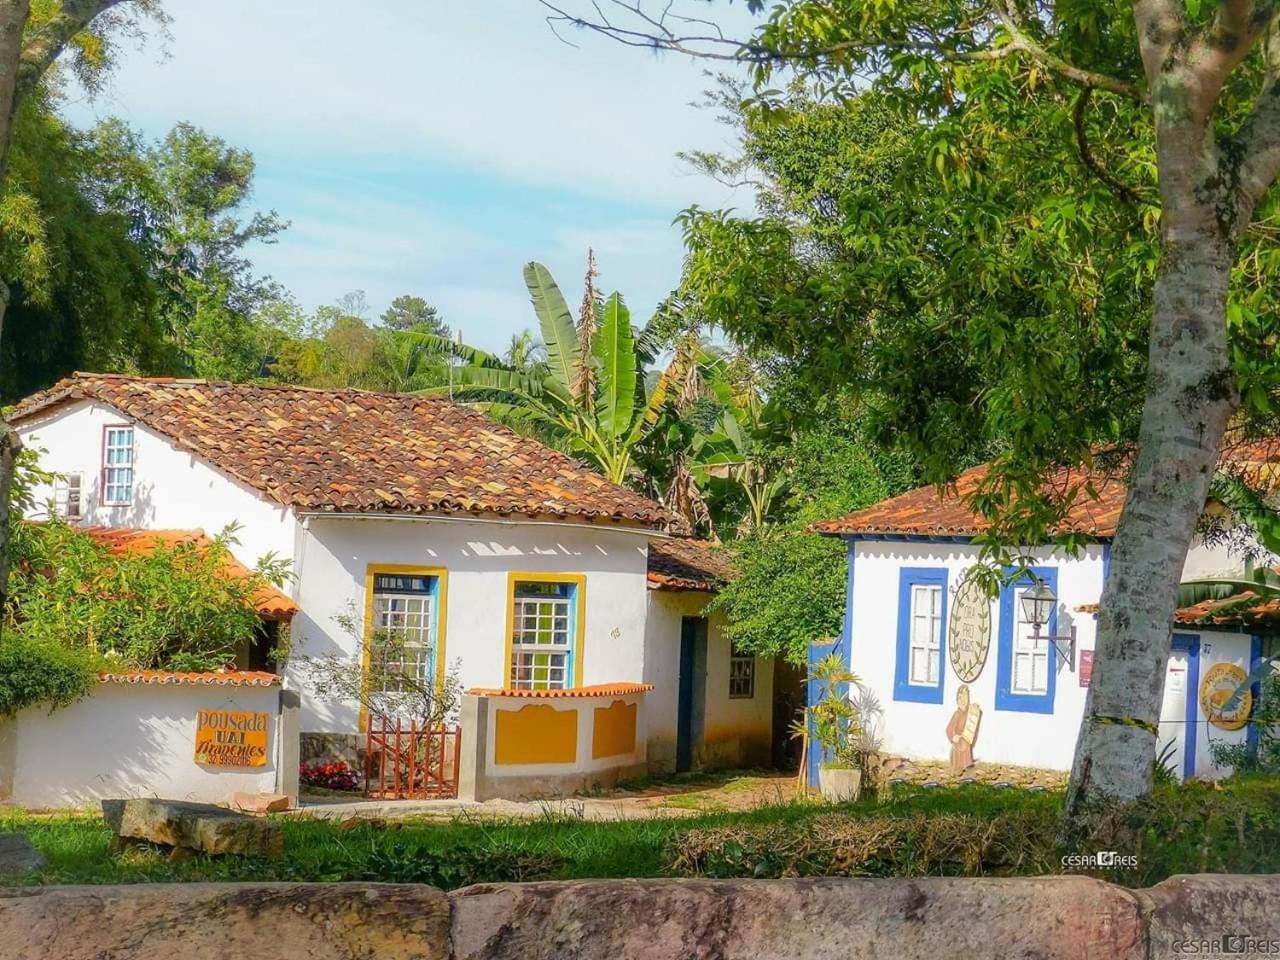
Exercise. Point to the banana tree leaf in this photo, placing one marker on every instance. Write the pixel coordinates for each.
(1191, 592)
(559, 335)
(615, 350)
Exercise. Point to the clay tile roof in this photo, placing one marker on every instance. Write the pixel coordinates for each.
(271, 604)
(360, 452)
(596, 690)
(1243, 610)
(924, 512)
(680, 564)
(222, 678)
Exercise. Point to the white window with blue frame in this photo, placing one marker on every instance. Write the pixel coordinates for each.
(1026, 670)
(922, 631)
(405, 616)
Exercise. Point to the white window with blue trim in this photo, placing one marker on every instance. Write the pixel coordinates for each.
(922, 617)
(1026, 674)
(544, 631)
(405, 609)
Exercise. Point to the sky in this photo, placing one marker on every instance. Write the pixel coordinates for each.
(434, 146)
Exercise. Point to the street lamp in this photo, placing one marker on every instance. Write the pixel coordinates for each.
(1037, 608)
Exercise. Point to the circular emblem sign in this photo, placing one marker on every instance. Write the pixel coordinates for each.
(969, 637)
(1219, 684)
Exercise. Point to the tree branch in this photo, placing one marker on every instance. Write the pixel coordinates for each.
(1257, 144)
(1126, 193)
(654, 33)
(46, 44)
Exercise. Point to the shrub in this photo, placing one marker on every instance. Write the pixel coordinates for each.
(335, 775)
(34, 672)
(841, 845)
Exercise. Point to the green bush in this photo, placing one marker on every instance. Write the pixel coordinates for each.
(1263, 755)
(1190, 828)
(33, 672)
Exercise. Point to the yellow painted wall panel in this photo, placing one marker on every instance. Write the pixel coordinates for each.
(537, 733)
(614, 730)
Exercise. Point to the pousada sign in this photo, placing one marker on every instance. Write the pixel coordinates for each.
(231, 738)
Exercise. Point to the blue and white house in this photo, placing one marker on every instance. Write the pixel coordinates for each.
(944, 661)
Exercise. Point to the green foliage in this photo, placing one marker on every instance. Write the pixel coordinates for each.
(834, 721)
(589, 398)
(791, 586)
(169, 608)
(984, 831)
(1262, 756)
(42, 672)
(967, 831)
(409, 312)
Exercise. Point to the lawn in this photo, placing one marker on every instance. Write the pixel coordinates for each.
(971, 830)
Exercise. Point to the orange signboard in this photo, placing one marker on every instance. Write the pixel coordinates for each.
(232, 738)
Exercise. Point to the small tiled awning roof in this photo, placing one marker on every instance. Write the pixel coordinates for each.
(271, 603)
(220, 678)
(354, 451)
(695, 565)
(924, 512)
(596, 690)
(1233, 612)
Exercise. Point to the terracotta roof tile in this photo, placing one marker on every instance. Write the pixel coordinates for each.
(596, 690)
(226, 678)
(683, 564)
(271, 603)
(360, 452)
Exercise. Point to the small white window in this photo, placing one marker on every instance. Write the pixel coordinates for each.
(67, 495)
(926, 634)
(117, 466)
(1030, 653)
(742, 676)
(542, 635)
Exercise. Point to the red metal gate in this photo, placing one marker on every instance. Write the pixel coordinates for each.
(408, 762)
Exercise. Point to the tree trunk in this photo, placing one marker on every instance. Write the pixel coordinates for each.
(1191, 394)
(13, 20)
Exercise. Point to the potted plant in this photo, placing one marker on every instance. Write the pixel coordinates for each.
(835, 726)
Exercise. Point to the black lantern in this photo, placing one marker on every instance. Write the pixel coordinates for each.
(1037, 606)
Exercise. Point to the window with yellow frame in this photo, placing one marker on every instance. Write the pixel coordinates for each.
(545, 630)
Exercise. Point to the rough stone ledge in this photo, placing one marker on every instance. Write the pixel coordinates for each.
(807, 919)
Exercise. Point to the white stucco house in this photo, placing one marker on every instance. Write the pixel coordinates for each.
(946, 661)
(532, 573)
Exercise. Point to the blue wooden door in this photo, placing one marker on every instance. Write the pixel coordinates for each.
(693, 633)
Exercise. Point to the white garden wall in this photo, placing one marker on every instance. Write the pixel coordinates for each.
(134, 740)
(172, 489)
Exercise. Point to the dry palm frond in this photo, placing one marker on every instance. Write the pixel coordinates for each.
(584, 387)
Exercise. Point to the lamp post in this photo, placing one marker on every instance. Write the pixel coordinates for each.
(1037, 609)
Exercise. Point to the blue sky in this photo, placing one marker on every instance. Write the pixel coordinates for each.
(434, 146)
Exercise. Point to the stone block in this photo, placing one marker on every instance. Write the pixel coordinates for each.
(18, 857)
(193, 826)
(259, 802)
(226, 921)
(1050, 918)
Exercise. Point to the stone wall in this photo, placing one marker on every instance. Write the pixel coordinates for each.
(811, 919)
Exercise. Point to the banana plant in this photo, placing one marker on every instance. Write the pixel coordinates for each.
(735, 449)
(601, 417)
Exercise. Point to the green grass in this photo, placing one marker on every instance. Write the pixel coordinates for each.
(1181, 830)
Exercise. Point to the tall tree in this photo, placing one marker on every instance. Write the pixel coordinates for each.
(1197, 83)
(409, 312)
(29, 46)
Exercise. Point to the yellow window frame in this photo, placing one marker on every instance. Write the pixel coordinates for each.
(579, 580)
(413, 570)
